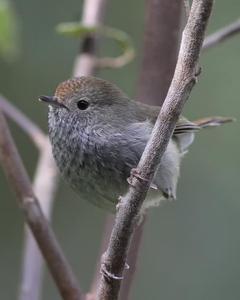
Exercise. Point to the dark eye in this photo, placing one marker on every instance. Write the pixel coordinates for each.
(82, 104)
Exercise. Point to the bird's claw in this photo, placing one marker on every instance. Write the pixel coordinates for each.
(135, 173)
(108, 275)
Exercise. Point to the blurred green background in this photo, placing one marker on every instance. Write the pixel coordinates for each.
(191, 247)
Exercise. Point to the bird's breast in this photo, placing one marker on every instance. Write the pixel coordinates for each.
(82, 163)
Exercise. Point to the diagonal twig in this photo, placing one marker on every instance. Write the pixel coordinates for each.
(45, 188)
(221, 35)
(29, 127)
(17, 177)
(183, 81)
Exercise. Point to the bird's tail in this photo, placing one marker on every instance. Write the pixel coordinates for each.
(185, 133)
(212, 121)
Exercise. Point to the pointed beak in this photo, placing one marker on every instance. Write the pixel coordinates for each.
(53, 101)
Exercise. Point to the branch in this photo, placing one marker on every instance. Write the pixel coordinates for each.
(91, 295)
(30, 128)
(159, 15)
(221, 35)
(45, 189)
(85, 64)
(17, 177)
(183, 81)
(93, 13)
(187, 8)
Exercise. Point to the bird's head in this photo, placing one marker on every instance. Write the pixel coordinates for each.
(85, 95)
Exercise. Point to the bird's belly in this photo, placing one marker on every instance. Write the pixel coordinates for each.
(91, 180)
(101, 179)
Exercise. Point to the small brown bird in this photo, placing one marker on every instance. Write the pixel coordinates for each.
(98, 135)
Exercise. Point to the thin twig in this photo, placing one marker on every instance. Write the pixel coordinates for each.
(29, 127)
(17, 177)
(221, 35)
(183, 81)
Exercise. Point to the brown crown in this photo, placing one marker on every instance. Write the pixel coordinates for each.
(87, 84)
(68, 87)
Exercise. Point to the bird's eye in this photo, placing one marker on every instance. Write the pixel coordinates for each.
(82, 104)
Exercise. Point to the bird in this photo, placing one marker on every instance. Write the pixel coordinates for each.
(98, 135)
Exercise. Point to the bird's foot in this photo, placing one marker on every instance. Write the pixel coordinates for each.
(107, 274)
(135, 173)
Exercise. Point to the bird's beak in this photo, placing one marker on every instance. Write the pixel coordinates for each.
(53, 101)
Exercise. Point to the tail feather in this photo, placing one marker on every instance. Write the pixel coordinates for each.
(184, 132)
(212, 121)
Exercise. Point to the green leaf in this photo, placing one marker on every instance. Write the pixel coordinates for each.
(78, 30)
(8, 31)
(75, 29)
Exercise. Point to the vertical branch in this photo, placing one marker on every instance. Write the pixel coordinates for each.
(93, 14)
(160, 43)
(162, 21)
(86, 64)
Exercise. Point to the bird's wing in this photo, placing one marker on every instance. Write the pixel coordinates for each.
(185, 126)
(151, 113)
